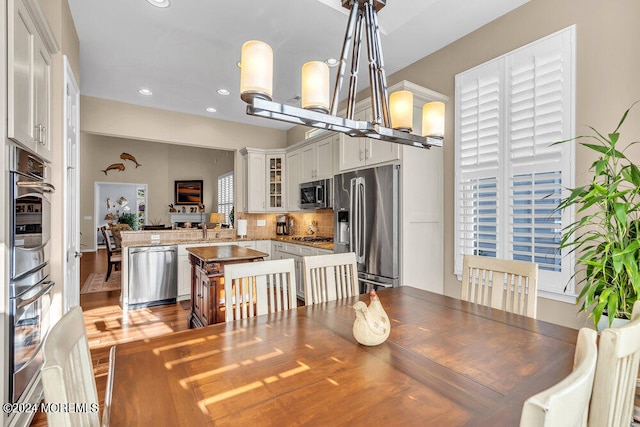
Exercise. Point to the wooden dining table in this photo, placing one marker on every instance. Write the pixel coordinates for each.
(446, 362)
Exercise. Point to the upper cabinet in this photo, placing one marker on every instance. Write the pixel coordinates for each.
(264, 180)
(358, 152)
(310, 160)
(30, 44)
(317, 159)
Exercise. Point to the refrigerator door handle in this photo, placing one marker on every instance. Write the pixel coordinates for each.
(353, 217)
(360, 222)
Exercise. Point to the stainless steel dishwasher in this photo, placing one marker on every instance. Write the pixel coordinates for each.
(153, 275)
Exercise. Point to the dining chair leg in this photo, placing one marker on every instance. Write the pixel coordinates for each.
(108, 272)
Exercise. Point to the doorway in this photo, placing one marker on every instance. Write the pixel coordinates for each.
(117, 201)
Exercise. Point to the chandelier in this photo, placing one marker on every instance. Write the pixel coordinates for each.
(392, 116)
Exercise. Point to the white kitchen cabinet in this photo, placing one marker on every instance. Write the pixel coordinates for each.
(29, 77)
(317, 159)
(294, 178)
(264, 246)
(255, 190)
(264, 180)
(360, 152)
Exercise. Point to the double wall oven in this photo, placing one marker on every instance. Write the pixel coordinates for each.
(30, 284)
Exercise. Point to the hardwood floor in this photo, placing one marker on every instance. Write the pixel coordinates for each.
(106, 326)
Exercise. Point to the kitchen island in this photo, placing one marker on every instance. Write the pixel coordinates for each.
(207, 279)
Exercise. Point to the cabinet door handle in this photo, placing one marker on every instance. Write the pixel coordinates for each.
(43, 131)
(361, 155)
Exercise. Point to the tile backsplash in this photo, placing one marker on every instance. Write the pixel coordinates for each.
(302, 221)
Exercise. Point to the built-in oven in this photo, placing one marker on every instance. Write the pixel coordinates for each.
(316, 194)
(30, 319)
(29, 285)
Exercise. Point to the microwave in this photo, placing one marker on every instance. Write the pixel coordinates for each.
(316, 194)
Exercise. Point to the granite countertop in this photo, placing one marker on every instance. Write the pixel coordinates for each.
(181, 239)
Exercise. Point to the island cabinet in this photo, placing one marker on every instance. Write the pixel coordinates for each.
(207, 280)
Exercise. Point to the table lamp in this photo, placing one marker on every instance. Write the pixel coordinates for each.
(216, 218)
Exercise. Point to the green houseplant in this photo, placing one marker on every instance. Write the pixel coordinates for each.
(605, 237)
(128, 218)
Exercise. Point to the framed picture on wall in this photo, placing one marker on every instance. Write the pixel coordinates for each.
(188, 192)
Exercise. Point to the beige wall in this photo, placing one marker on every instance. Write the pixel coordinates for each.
(104, 117)
(161, 165)
(607, 83)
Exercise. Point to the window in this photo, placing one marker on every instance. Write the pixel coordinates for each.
(225, 195)
(509, 176)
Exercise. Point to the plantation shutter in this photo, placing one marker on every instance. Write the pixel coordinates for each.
(478, 159)
(509, 176)
(225, 194)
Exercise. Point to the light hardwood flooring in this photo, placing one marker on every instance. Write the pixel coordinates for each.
(106, 326)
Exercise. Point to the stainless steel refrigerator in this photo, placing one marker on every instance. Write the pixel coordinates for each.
(366, 221)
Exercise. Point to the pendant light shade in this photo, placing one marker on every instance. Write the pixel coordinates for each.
(433, 119)
(256, 71)
(401, 110)
(315, 86)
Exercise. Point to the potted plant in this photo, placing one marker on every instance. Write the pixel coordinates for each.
(605, 237)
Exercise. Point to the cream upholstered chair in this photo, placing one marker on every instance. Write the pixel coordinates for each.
(566, 404)
(330, 277)
(256, 288)
(67, 372)
(507, 285)
(616, 374)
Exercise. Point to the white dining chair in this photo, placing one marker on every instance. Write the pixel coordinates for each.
(499, 283)
(67, 372)
(614, 387)
(256, 288)
(330, 277)
(566, 404)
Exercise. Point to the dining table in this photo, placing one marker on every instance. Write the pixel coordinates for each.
(447, 362)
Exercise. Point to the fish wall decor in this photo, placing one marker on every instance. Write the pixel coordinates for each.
(113, 167)
(127, 156)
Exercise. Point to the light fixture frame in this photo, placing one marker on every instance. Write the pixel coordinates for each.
(363, 17)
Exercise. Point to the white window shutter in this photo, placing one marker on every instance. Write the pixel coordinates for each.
(509, 178)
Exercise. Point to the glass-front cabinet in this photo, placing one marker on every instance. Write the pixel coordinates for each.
(275, 182)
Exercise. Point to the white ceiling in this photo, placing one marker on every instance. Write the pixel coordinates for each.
(186, 52)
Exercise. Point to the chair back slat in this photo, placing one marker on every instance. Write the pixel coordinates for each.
(330, 277)
(257, 288)
(504, 284)
(614, 388)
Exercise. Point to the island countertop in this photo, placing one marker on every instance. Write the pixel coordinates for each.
(225, 253)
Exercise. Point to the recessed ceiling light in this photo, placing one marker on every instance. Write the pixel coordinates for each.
(239, 64)
(331, 62)
(159, 3)
(210, 110)
(223, 92)
(145, 92)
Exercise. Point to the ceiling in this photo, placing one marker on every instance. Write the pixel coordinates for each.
(186, 52)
